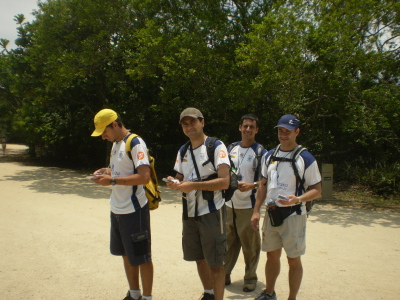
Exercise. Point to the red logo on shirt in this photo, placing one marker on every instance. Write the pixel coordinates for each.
(140, 155)
(222, 154)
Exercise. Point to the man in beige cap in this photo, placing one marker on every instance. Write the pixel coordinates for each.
(201, 178)
(130, 218)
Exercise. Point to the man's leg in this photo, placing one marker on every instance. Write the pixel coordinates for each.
(295, 276)
(132, 274)
(272, 269)
(233, 243)
(251, 245)
(146, 273)
(212, 278)
(218, 276)
(205, 274)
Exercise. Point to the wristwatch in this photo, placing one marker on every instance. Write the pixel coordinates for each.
(255, 185)
(112, 181)
(298, 200)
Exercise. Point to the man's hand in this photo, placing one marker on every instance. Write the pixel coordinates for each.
(105, 171)
(186, 186)
(245, 186)
(255, 220)
(292, 199)
(101, 179)
(173, 185)
(183, 186)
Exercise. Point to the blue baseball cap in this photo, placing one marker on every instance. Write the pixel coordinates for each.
(289, 122)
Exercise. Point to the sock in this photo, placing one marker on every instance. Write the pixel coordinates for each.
(147, 297)
(135, 294)
(209, 291)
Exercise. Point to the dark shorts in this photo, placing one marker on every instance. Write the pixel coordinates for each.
(205, 238)
(130, 236)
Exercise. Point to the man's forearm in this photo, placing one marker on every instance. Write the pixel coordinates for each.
(261, 193)
(211, 185)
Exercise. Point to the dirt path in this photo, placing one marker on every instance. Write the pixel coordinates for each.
(54, 244)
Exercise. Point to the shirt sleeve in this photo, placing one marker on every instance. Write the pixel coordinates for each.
(221, 156)
(178, 164)
(139, 153)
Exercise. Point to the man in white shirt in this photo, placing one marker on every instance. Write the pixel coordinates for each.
(246, 156)
(130, 218)
(201, 179)
(279, 180)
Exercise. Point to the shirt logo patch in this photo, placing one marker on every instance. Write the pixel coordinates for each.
(222, 154)
(140, 155)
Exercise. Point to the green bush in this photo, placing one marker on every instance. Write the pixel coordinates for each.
(382, 178)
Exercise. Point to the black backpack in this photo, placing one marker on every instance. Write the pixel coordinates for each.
(299, 179)
(210, 146)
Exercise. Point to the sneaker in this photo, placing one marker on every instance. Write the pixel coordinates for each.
(227, 279)
(249, 287)
(129, 297)
(207, 296)
(265, 296)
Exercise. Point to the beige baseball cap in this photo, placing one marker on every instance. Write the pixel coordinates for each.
(190, 112)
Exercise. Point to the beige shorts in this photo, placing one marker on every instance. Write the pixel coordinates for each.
(291, 235)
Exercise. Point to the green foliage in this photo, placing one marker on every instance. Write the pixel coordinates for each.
(334, 64)
(382, 178)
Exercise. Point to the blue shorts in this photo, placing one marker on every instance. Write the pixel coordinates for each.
(130, 236)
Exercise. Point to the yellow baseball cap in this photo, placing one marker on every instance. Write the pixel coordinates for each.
(102, 119)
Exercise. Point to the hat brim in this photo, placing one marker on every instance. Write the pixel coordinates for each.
(287, 127)
(192, 116)
(98, 131)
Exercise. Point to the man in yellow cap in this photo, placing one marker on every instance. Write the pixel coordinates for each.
(130, 218)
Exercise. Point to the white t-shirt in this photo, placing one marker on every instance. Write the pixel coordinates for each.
(281, 178)
(185, 167)
(126, 199)
(245, 161)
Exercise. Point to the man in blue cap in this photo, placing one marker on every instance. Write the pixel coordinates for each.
(285, 221)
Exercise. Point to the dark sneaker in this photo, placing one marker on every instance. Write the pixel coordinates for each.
(265, 296)
(128, 297)
(227, 279)
(249, 287)
(207, 296)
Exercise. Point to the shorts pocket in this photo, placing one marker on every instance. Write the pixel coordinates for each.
(140, 243)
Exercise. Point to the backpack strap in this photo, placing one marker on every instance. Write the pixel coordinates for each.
(210, 151)
(295, 154)
(273, 155)
(299, 180)
(258, 149)
(231, 146)
(128, 141)
(184, 149)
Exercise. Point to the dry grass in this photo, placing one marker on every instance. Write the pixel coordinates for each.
(358, 196)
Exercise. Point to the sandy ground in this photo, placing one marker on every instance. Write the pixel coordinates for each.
(54, 244)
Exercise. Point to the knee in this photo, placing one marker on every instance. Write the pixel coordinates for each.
(274, 255)
(217, 270)
(294, 262)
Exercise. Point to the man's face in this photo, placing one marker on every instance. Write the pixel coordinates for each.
(109, 133)
(249, 129)
(192, 127)
(287, 138)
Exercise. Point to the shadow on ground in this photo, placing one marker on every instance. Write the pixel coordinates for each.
(64, 181)
(335, 214)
